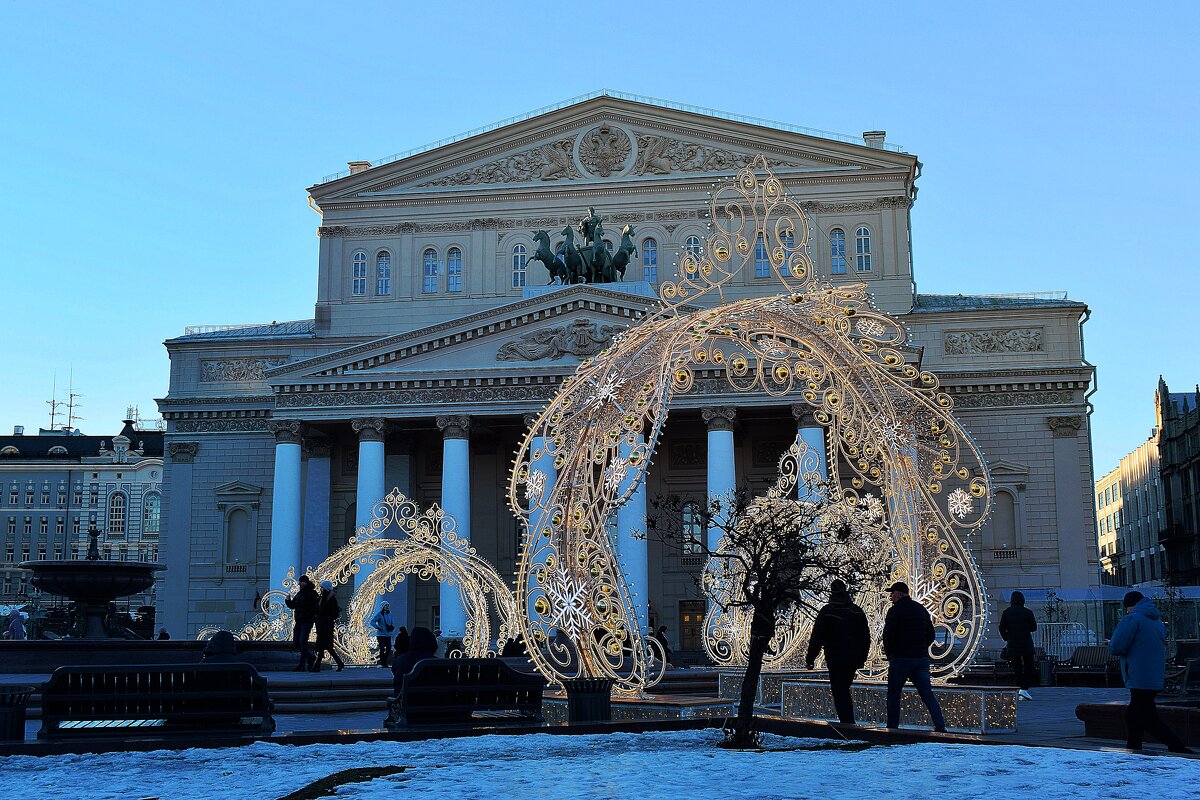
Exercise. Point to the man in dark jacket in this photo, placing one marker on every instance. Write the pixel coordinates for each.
(1141, 642)
(1016, 629)
(422, 645)
(841, 630)
(907, 635)
(304, 611)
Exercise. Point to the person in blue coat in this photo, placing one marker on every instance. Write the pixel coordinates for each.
(383, 625)
(1140, 641)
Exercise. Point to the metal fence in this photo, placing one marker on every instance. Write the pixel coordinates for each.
(1059, 639)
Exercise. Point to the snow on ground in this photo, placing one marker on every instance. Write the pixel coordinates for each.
(654, 766)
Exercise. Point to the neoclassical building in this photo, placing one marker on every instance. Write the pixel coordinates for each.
(434, 336)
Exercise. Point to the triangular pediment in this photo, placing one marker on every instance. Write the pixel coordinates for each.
(1007, 471)
(552, 332)
(605, 139)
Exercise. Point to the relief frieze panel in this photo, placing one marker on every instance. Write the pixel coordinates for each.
(237, 370)
(1004, 399)
(987, 341)
(549, 162)
(581, 337)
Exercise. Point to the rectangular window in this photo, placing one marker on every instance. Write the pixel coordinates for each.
(28, 527)
(762, 265)
(29, 496)
(60, 525)
(58, 552)
(77, 494)
(650, 260)
(62, 496)
(41, 551)
(75, 525)
(12, 526)
(9, 549)
(13, 495)
(44, 526)
(520, 262)
(430, 272)
(93, 495)
(862, 250)
(454, 270)
(45, 495)
(383, 273)
(359, 274)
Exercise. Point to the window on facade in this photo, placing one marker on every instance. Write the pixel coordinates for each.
(151, 513)
(762, 264)
(116, 513)
(788, 239)
(77, 494)
(693, 529)
(41, 551)
(694, 246)
(359, 274)
(75, 525)
(650, 260)
(44, 526)
(383, 273)
(13, 495)
(10, 551)
(60, 525)
(454, 270)
(862, 250)
(520, 260)
(29, 496)
(45, 495)
(12, 526)
(837, 251)
(62, 496)
(239, 539)
(27, 528)
(430, 261)
(94, 495)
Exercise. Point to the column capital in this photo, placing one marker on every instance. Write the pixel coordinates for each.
(457, 427)
(719, 418)
(804, 415)
(370, 429)
(286, 431)
(1065, 426)
(317, 447)
(182, 452)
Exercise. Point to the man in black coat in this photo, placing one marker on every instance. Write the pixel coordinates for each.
(1016, 629)
(907, 635)
(304, 611)
(841, 630)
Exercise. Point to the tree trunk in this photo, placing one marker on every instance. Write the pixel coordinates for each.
(762, 628)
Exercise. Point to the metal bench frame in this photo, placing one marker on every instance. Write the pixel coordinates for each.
(455, 690)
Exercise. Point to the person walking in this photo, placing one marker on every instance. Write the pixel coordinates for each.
(1016, 629)
(907, 635)
(1140, 641)
(841, 630)
(423, 645)
(16, 626)
(304, 612)
(328, 611)
(401, 646)
(383, 625)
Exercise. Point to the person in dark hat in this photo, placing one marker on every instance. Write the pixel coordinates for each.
(1016, 629)
(304, 613)
(841, 630)
(328, 611)
(907, 635)
(1140, 641)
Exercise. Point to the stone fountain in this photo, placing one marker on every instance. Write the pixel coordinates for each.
(92, 583)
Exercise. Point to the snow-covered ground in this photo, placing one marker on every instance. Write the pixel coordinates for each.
(671, 766)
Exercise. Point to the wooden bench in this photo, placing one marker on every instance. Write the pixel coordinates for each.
(1090, 661)
(155, 700)
(454, 690)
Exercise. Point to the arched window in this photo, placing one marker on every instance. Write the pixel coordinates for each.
(239, 538)
(520, 258)
(788, 239)
(1004, 522)
(837, 251)
(694, 246)
(650, 260)
(359, 262)
(693, 529)
(383, 273)
(151, 514)
(430, 261)
(454, 270)
(762, 264)
(116, 513)
(862, 250)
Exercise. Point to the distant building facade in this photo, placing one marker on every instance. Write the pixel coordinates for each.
(432, 327)
(1130, 510)
(1178, 416)
(55, 485)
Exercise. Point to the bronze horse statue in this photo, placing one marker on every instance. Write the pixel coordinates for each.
(577, 267)
(620, 259)
(554, 264)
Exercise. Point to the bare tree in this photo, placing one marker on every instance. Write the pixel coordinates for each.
(772, 566)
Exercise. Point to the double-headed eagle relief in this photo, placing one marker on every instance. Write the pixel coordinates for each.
(590, 260)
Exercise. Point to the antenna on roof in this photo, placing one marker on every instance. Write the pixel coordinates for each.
(53, 401)
(72, 403)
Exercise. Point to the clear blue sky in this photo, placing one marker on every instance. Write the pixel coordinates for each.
(155, 155)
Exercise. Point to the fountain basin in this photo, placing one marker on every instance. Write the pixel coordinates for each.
(93, 584)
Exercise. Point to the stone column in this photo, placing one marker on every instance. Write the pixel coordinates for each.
(456, 502)
(1073, 526)
(175, 596)
(812, 435)
(722, 479)
(371, 432)
(543, 464)
(285, 501)
(315, 547)
(633, 545)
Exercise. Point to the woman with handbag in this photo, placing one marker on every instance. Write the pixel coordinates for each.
(383, 626)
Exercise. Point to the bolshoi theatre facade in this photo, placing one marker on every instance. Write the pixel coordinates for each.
(436, 336)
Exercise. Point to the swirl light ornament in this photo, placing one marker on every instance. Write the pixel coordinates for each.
(889, 428)
(400, 540)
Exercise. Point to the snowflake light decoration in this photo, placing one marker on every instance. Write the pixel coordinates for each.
(960, 504)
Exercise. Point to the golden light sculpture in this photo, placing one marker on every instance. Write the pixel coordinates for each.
(889, 429)
(400, 540)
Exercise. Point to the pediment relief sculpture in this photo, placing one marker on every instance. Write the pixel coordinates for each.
(548, 162)
(582, 338)
(993, 340)
(663, 155)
